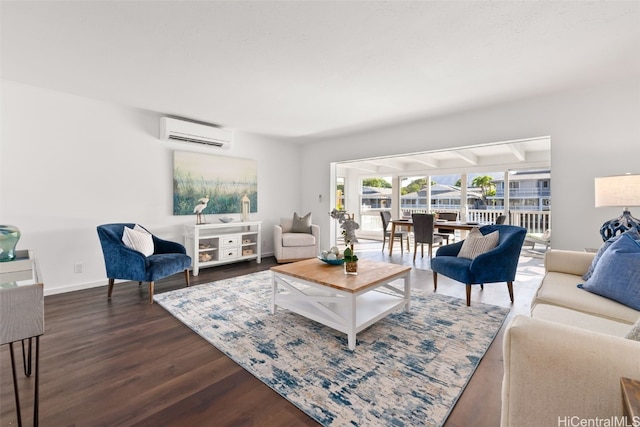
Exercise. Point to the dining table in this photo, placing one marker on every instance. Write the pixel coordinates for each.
(441, 224)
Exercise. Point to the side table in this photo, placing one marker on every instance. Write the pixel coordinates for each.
(22, 316)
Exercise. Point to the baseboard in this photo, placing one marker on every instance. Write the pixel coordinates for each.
(89, 285)
(77, 287)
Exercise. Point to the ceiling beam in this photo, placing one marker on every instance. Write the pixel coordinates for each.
(517, 151)
(390, 163)
(426, 161)
(344, 167)
(467, 156)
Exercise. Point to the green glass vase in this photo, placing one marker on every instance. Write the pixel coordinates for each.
(9, 236)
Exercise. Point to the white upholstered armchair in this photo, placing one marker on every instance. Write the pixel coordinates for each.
(291, 246)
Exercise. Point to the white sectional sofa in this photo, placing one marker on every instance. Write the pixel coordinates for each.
(564, 363)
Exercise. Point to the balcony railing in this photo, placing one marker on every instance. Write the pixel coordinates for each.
(519, 193)
(533, 221)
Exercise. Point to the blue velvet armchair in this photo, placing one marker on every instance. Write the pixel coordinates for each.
(497, 265)
(124, 263)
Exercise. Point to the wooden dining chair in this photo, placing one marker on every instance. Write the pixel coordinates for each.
(386, 233)
(423, 234)
(445, 233)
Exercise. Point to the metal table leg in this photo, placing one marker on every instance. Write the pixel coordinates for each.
(27, 360)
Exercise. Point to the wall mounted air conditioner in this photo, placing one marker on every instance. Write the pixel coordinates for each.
(182, 130)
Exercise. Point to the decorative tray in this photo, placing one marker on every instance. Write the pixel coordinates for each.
(332, 261)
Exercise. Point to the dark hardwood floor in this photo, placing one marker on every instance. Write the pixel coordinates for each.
(124, 362)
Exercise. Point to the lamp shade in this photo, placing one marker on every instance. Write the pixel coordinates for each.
(621, 190)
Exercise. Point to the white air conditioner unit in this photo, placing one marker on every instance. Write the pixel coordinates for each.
(181, 130)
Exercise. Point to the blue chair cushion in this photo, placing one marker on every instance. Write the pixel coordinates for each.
(454, 267)
(617, 274)
(164, 265)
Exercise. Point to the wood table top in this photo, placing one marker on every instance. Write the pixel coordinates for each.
(370, 273)
(453, 225)
(631, 397)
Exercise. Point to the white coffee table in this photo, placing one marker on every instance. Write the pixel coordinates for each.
(347, 303)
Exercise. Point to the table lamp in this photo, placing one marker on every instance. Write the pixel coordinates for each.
(623, 191)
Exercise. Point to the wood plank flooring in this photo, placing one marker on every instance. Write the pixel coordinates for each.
(124, 362)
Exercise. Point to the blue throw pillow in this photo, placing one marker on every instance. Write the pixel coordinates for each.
(633, 232)
(617, 273)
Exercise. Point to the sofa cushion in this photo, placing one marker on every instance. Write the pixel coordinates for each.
(617, 273)
(139, 239)
(298, 239)
(561, 289)
(578, 319)
(634, 333)
(476, 243)
(633, 232)
(301, 224)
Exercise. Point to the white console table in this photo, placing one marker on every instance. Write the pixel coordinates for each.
(214, 244)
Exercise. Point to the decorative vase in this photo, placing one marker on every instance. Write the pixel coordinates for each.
(351, 267)
(9, 236)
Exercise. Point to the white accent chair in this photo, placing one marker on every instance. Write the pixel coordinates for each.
(290, 247)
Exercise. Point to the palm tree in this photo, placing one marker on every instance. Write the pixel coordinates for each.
(485, 183)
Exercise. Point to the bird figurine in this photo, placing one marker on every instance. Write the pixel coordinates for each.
(201, 206)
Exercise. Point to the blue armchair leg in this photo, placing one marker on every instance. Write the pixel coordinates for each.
(435, 281)
(468, 295)
(151, 284)
(510, 288)
(110, 288)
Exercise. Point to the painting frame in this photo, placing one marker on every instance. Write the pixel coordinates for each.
(222, 180)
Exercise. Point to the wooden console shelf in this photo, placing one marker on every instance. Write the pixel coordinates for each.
(209, 245)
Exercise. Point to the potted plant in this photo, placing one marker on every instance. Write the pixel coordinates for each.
(350, 261)
(349, 227)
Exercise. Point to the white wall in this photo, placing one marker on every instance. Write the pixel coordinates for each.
(595, 131)
(70, 163)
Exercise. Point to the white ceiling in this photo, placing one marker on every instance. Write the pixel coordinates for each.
(300, 68)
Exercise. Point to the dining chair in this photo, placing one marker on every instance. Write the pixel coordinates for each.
(445, 233)
(386, 233)
(423, 234)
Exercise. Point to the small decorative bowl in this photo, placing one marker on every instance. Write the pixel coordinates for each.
(225, 219)
(332, 261)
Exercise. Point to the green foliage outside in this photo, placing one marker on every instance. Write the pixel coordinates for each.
(414, 186)
(376, 183)
(485, 183)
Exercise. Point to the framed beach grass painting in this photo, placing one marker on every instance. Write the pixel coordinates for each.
(223, 180)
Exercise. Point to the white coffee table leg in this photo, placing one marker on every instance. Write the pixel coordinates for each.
(352, 323)
(274, 289)
(407, 292)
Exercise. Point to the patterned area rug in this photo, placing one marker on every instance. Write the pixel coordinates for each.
(407, 370)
